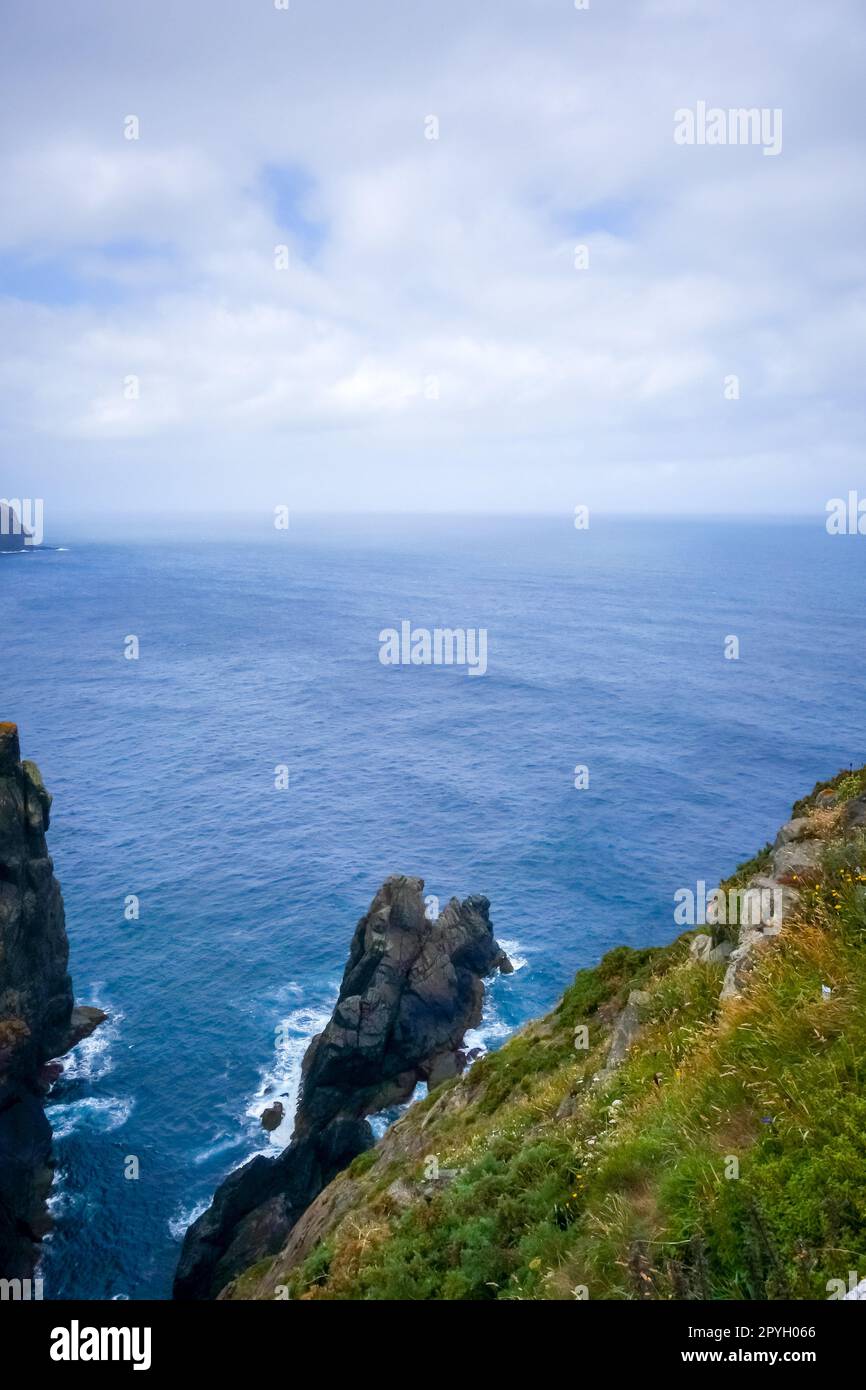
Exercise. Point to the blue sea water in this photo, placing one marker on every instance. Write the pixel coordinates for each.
(261, 648)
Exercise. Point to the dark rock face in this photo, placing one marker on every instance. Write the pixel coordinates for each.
(38, 1020)
(410, 990)
(12, 533)
(272, 1118)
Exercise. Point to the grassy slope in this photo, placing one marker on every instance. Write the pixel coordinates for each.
(623, 1189)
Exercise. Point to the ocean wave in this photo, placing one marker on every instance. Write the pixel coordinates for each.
(93, 1058)
(183, 1218)
(281, 1078)
(100, 1113)
(514, 953)
(493, 1027)
(62, 1201)
(221, 1144)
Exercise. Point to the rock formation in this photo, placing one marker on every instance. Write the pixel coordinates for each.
(410, 990)
(273, 1116)
(12, 534)
(770, 899)
(625, 1032)
(38, 1020)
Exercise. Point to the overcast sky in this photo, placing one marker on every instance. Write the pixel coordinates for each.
(431, 343)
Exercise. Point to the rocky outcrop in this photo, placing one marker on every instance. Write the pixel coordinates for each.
(38, 1019)
(624, 1036)
(272, 1117)
(12, 534)
(769, 900)
(410, 990)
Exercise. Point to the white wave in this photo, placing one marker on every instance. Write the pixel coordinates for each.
(492, 1028)
(62, 1201)
(489, 1030)
(281, 1079)
(221, 1144)
(101, 1113)
(183, 1218)
(92, 1059)
(514, 953)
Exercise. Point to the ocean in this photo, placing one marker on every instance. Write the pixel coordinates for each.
(259, 650)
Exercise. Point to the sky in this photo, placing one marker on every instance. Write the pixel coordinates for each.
(337, 268)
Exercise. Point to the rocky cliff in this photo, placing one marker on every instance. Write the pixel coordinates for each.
(410, 990)
(688, 1123)
(38, 1019)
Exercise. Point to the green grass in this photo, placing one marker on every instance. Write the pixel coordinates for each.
(725, 1159)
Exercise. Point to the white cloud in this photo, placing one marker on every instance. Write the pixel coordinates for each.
(448, 259)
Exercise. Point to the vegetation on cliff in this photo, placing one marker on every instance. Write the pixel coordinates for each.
(725, 1158)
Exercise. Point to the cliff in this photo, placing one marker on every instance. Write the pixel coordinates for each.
(410, 990)
(688, 1123)
(38, 1019)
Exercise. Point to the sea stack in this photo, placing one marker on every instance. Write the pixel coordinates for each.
(38, 1018)
(410, 990)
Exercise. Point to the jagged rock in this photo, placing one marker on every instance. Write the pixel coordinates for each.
(798, 859)
(742, 960)
(854, 813)
(701, 946)
(798, 829)
(625, 1032)
(85, 1020)
(13, 535)
(272, 1116)
(703, 950)
(410, 990)
(443, 1068)
(767, 902)
(38, 1021)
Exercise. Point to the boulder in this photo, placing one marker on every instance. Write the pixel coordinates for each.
(272, 1116)
(797, 860)
(703, 950)
(766, 902)
(798, 829)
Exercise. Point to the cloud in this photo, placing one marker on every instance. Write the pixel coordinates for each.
(428, 312)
